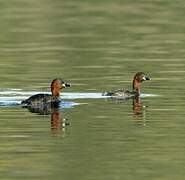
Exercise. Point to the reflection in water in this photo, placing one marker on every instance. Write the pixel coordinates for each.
(58, 124)
(139, 112)
(41, 110)
(137, 106)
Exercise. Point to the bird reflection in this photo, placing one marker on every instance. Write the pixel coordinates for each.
(139, 112)
(58, 124)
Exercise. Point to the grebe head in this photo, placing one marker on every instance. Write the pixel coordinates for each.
(138, 79)
(57, 85)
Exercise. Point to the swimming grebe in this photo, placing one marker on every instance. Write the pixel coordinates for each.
(126, 94)
(47, 99)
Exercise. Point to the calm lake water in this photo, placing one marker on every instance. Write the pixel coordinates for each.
(96, 46)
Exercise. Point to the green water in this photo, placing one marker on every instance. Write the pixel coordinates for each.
(96, 46)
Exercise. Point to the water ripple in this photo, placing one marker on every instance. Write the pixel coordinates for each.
(11, 97)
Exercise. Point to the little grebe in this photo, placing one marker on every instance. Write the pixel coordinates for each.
(126, 94)
(47, 99)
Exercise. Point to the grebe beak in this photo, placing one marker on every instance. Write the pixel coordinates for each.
(65, 85)
(145, 78)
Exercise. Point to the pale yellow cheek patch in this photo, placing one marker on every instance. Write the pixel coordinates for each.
(144, 78)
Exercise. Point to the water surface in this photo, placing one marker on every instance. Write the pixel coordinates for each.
(96, 46)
